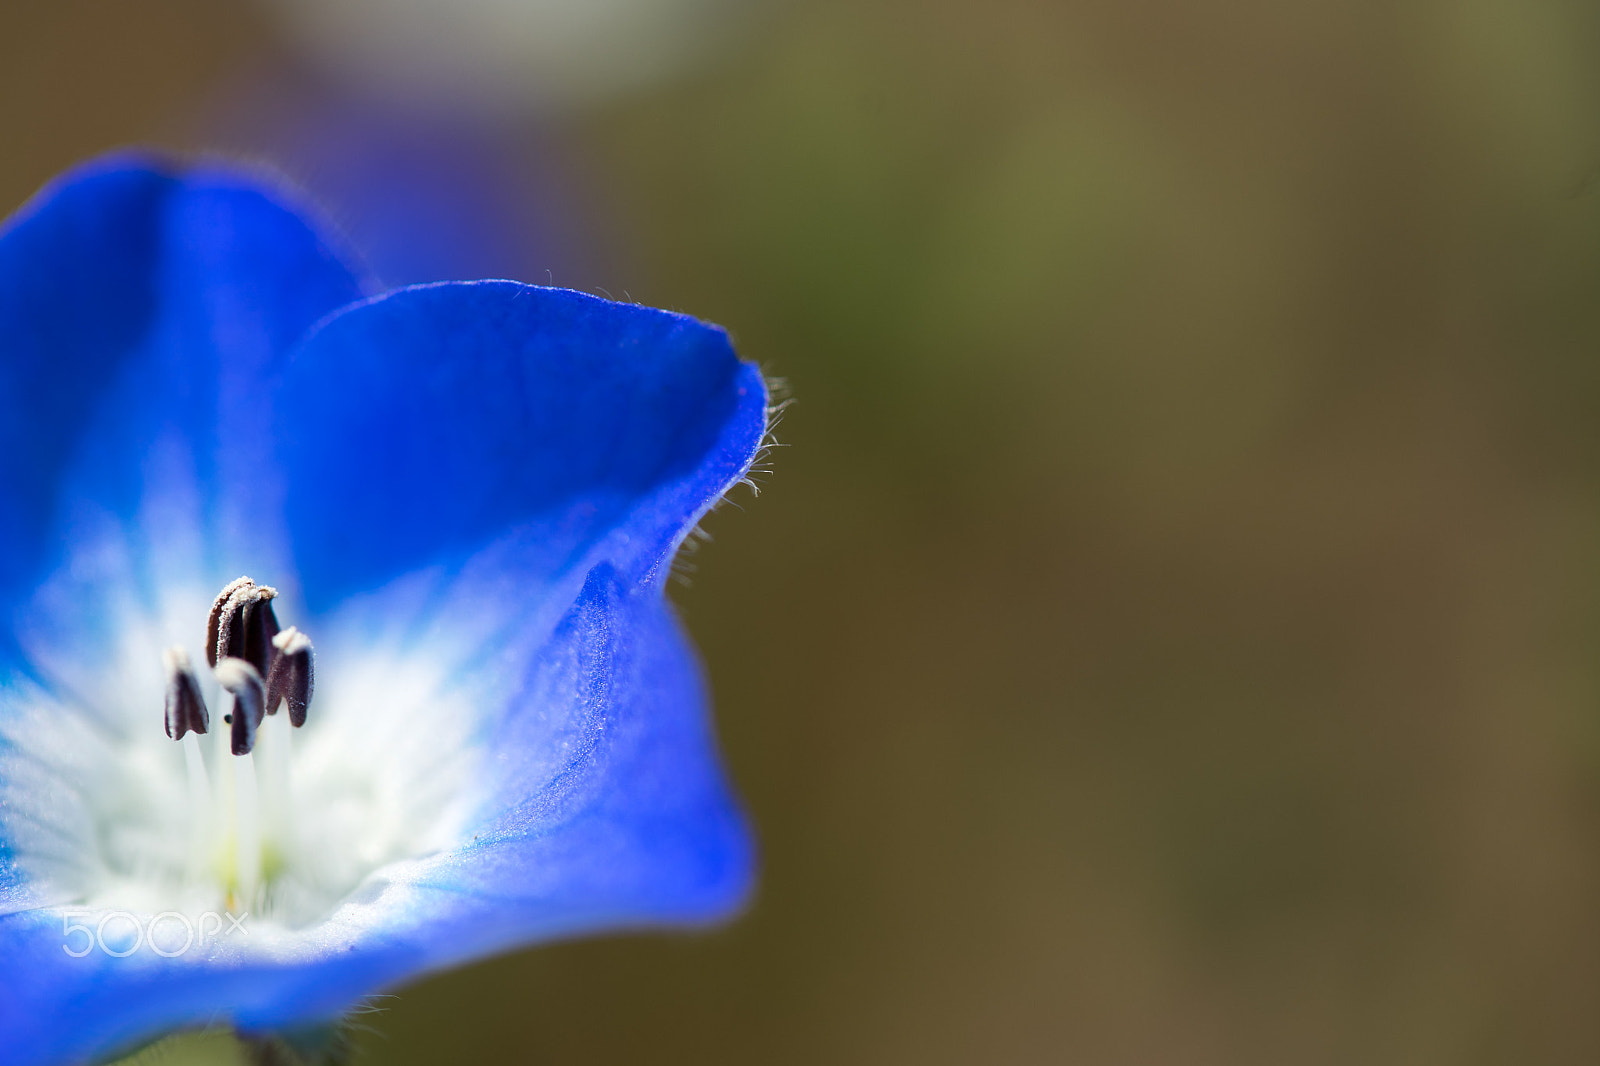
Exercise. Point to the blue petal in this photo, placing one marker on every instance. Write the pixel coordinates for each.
(140, 302)
(418, 427)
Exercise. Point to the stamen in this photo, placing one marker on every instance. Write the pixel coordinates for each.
(242, 815)
(242, 626)
(249, 700)
(215, 641)
(249, 696)
(260, 627)
(290, 678)
(231, 623)
(247, 823)
(186, 708)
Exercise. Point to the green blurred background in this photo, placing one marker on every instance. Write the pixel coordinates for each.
(1170, 636)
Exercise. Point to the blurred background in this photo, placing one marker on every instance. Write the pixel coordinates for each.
(1170, 636)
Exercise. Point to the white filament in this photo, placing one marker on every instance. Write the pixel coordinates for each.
(247, 831)
(274, 741)
(200, 812)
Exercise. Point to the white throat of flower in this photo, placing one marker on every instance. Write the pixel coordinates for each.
(247, 812)
(241, 835)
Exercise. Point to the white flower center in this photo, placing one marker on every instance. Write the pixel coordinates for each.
(102, 811)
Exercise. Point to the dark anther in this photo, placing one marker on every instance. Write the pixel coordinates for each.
(186, 708)
(290, 677)
(220, 611)
(261, 666)
(242, 625)
(249, 694)
(260, 626)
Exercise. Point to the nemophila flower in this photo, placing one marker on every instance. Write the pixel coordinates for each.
(456, 504)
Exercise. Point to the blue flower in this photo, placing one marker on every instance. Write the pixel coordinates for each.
(466, 495)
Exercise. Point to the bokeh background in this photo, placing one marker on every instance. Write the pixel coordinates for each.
(1170, 633)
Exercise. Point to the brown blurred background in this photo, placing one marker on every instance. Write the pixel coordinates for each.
(1171, 634)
